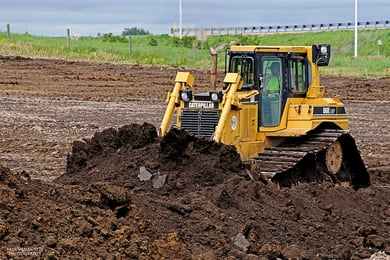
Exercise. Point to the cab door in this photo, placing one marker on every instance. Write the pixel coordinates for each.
(271, 91)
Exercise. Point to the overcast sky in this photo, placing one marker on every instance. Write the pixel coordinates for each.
(90, 17)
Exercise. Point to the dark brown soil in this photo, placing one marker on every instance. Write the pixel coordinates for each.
(84, 174)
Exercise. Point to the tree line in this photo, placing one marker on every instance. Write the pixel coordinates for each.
(134, 31)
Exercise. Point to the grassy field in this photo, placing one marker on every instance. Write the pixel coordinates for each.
(166, 50)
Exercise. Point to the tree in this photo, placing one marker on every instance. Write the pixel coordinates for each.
(134, 31)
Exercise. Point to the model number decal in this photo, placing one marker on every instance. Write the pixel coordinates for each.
(329, 111)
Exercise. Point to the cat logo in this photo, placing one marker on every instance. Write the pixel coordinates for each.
(201, 105)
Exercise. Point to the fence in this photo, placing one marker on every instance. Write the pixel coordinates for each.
(68, 38)
(285, 28)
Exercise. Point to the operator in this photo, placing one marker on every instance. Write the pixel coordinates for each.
(271, 92)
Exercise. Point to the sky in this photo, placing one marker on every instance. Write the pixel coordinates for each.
(90, 17)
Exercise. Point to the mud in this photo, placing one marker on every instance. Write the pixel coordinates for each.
(84, 174)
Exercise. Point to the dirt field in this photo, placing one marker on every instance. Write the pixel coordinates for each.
(207, 209)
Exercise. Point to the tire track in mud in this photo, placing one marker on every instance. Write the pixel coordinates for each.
(36, 133)
(369, 123)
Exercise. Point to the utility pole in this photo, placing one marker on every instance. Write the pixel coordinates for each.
(180, 21)
(356, 29)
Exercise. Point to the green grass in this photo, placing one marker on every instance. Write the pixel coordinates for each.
(166, 50)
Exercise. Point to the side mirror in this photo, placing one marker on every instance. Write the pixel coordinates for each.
(321, 54)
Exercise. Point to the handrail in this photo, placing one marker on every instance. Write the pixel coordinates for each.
(284, 28)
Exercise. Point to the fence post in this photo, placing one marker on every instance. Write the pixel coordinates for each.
(130, 46)
(379, 43)
(194, 45)
(9, 33)
(68, 38)
(214, 68)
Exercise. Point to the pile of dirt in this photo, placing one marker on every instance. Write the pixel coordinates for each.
(128, 194)
(180, 160)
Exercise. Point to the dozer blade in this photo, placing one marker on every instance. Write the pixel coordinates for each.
(322, 155)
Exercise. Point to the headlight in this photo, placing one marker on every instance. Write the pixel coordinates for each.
(324, 50)
(216, 96)
(186, 95)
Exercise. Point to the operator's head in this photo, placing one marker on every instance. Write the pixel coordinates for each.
(275, 68)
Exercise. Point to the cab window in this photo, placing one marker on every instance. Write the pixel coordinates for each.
(298, 75)
(245, 67)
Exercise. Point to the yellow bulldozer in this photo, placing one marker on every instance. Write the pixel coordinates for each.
(273, 109)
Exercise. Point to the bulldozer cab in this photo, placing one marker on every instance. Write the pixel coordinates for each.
(276, 75)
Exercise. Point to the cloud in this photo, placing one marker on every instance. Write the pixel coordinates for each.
(51, 17)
